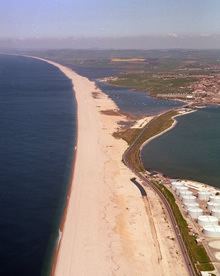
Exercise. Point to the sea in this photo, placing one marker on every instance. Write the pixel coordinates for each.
(37, 141)
(37, 138)
(191, 150)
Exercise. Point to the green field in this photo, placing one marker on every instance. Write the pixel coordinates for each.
(158, 72)
(155, 84)
(135, 138)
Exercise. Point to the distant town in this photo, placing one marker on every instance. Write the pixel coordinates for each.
(192, 80)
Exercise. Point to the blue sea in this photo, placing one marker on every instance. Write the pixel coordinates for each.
(37, 137)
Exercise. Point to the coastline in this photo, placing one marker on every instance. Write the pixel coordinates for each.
(120, 220)
(159, 182)
(166, 130)
(105, 224)
(57, 242)
(190, 183)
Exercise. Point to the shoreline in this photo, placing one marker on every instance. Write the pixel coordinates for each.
(77, 249)
(57, 252)
(189, 182)
(115, 241)
(51, 267)
(175, 122)
(145, 92)
(160, 183)
(186, 101)
(57, 242)
(56, 260)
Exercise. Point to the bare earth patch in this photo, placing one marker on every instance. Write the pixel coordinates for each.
(107, 230)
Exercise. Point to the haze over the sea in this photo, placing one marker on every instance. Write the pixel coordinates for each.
(114, 24)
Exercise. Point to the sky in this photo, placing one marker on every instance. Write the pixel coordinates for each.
(115, 19)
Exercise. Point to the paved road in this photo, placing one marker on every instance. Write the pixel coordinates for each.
(141, 186)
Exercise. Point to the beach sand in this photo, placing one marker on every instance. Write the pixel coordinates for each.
(107, 229)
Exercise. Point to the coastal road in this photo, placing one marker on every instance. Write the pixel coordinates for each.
(176, 229)
(146, 183)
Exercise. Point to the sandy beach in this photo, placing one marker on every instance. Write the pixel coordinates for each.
(108, 230)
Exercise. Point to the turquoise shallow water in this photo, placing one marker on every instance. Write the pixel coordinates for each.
(191, 150)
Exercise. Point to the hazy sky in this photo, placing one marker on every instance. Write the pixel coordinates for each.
(61, 18)
(154, 23)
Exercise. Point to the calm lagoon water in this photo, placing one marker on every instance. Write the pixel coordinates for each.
(136, 102)
(37, 134)
(38, 127)
(191, 150)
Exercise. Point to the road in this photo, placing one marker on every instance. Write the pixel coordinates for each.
(146, 183)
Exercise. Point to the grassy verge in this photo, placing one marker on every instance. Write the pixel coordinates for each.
(196, 251)
(135, 138)
(153, 128)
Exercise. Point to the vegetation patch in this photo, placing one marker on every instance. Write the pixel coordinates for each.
(136, 137)
(110, 112)
(96, 95)
(155, 84)
(196, 250)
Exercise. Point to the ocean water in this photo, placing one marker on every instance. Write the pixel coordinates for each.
(191, 150)
(37, 136)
